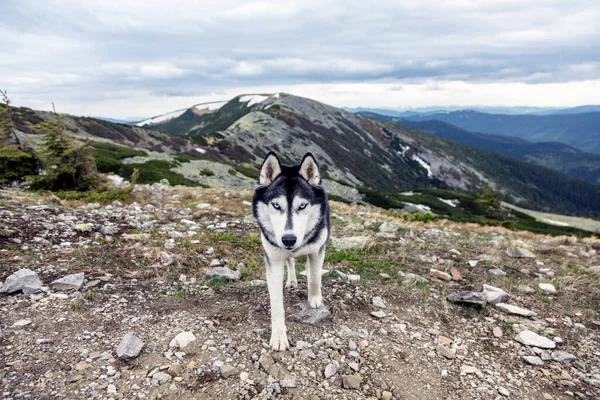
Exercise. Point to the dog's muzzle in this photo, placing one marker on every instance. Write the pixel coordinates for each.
(288, 241)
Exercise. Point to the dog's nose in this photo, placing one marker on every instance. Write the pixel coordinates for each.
(288, 240)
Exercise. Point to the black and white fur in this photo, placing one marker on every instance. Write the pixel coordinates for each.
(291, 208)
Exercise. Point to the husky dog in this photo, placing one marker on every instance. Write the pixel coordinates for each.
(291, 208)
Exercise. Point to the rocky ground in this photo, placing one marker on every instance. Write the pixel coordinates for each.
(165, 298)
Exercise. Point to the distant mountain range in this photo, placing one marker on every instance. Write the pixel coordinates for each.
(486, 110)
(554, 155)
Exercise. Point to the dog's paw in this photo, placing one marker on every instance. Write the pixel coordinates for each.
(279, 341)
(291, 284)
(315, 301)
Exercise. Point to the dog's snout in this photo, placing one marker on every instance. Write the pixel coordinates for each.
(288, 240)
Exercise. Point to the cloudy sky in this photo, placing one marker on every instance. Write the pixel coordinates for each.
(139, 58)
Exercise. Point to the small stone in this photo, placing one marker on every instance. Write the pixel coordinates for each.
(378, 302)
(162, 377)
(330, 370)
(378, 314)
(469, 298)
(312, 316)
(440, 275)
(385, 395)
(111, 389)
(182, 340)
(266, 361)
(547, 288)
(579, 326)
(473, 263)
(276, 371)
(129, 347)
(20, 324)
(524, 289)
(456, 275)
(352, 381)
(446, 352)
(533, 360)
(503, 391)
(563, 357)
(69, 282)
(497, 331)
(223, 273)
(467, 369)
(354, 366)
(496, 272)
(519, 252)
(288, 381)
(510, 309)
(530, 338)
(444, 340)
(228, 370)
(494, 295)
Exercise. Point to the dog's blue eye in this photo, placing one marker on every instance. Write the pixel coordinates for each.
(302, 206)
(276, 206)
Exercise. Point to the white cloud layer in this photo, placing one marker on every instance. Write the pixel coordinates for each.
(141, 58)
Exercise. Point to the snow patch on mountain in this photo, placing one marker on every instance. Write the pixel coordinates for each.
(252, 99)
(423, 164)
(162, 118)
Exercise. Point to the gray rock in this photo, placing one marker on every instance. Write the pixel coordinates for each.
(494, 295)
(20, 324)
(330, 370)
(409, 277)
(503, 391)
(162, 377)
(525, 289)
(519, 252)
(594, 270)
(312, 316)
(182, 340)
(69, 282)
(352, 381)
(24, 280)
(533, 360)
(478, 299)
(497, 331)
(228, 370)
(378, 302)
(446, 351)
(563, 357)
(265, 361)
(496, 272)
(378, 314)
(129, 347)
(288, 381)
(223, 273)
(532, 339)
(510, 309)
(389, 227)
(111, 389)
(547, 288)
(276, 371)
(349, 243)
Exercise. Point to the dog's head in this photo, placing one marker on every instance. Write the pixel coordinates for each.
(289, 201)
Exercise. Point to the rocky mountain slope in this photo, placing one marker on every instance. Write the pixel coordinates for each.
(97, 130)
(119, 303)
(358, 151)
(553, 155)
(581, 131)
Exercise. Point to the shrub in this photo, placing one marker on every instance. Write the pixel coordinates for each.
(206, 172)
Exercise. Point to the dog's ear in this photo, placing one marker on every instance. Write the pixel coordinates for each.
(269, 170)
(309, 170)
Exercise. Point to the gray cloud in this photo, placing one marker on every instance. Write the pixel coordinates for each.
(86, 53)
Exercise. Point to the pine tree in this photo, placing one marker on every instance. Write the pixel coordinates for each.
(67, 165)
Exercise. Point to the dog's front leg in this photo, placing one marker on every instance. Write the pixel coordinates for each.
(313, 272)
(275, 271)
(291, 282)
